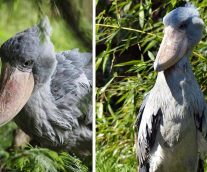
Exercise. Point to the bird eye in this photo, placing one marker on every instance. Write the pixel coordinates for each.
(28, 63)
(182, 26)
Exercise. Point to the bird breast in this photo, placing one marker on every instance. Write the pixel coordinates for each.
(179, 99)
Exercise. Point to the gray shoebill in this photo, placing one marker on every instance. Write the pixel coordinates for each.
(172, 120)
(47, 93)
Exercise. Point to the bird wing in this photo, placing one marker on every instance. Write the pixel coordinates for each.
(71, 86)
(147, 130)
(201, 124)
(141, 110)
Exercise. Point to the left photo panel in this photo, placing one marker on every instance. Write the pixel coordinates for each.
(46, 84)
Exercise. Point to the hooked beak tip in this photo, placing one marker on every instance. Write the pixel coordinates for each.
(157, 67)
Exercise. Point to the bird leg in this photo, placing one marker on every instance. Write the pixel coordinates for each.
(20, 138)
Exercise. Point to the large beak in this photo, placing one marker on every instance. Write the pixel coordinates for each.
(15, 89)
(172, 49)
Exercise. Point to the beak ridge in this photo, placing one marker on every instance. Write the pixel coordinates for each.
(173, 47)
(15, 89)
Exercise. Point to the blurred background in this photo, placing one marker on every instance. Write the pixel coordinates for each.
(128, 34)
(71, 22)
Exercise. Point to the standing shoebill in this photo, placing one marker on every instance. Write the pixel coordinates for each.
(172, 120)
(49, 92)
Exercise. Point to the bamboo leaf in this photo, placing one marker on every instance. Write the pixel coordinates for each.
(151, 56)
(141, 15)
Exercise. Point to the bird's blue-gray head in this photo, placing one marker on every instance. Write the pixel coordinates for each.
(28, 61)
(183, 30)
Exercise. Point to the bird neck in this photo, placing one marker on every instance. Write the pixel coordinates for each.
(42, 104)
(44, 75)
(181, 68)
(179, 84)
(43, 92)
(177, 75)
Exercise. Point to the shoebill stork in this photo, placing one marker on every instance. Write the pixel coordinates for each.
(172, 120)
(48, 93)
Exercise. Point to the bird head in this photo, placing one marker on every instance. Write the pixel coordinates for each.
(182, 31)
(28, 61)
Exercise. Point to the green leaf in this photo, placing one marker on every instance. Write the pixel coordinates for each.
(133, 62)
(127, 7)
(141, 15)
(105, 87)
(151, 56)
(99, 110)
(150, 45)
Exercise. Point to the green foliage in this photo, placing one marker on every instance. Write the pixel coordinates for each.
(40, 160)
(20, 15)
(109, 164)
(128, 34)
(6, 135)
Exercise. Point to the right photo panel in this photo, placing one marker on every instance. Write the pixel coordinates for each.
(151, 86)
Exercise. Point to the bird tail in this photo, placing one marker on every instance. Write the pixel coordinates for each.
(200, 165)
